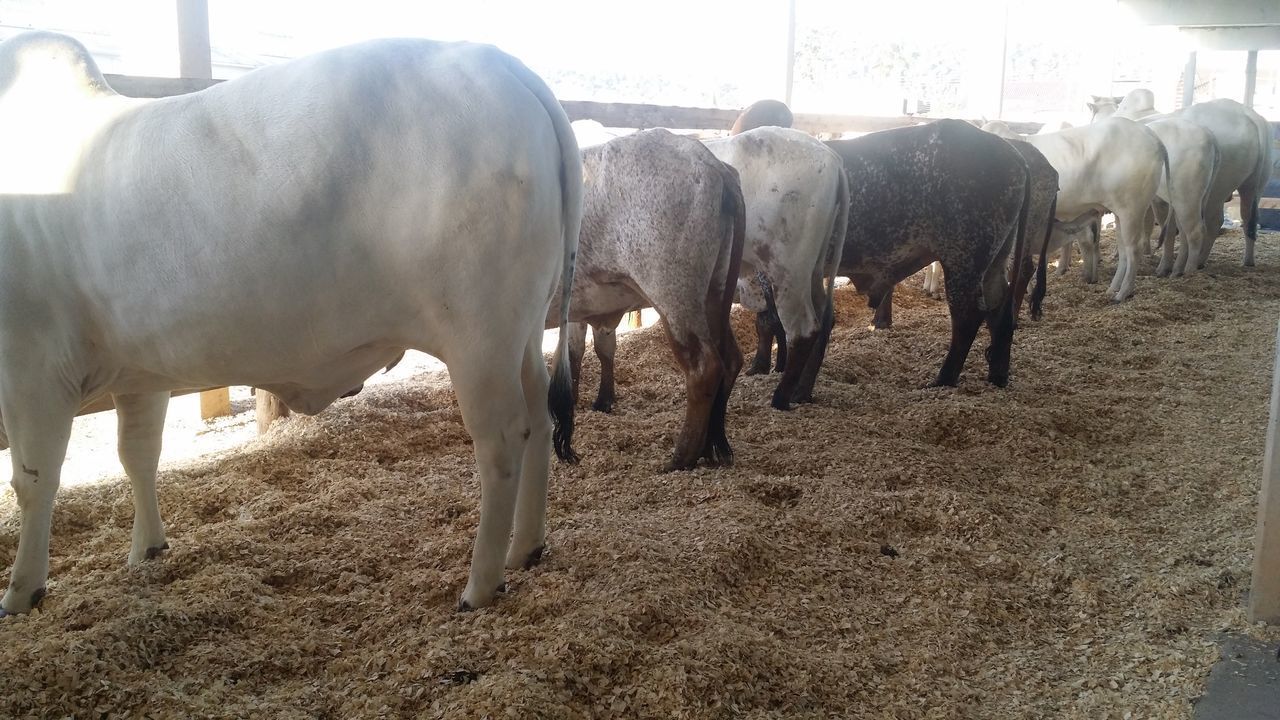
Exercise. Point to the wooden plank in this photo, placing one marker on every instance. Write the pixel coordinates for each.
(1264, 596)
(154, 87)
(102, 403)
(215, 403)
(195, 59)
(617, 115)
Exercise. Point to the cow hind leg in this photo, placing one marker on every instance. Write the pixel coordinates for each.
(883, 319)
(703, 372)
(1249, 218)
(38, 423)
(577, 332)
(966, 319)
(604, 336)
(717, 450)
(140, 427)
(490, 393)
(809, 376)
(796, 308)
(529, 538)
(1000, 323)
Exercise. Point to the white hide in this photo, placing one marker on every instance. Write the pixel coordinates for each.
(797, 205)
(295, 229)
(1113, 165)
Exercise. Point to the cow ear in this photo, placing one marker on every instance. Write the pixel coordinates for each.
(1093, 107)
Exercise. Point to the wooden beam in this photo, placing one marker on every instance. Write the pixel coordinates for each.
(154, 87)
(791, 51)
(215, 403)
(195, 58)
(616, 115)
(269, 409)
(102, 403)
(1264, 595)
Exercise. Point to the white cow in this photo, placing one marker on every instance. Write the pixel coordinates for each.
(295, 229)
(1109, 166)
(797, 199)
(1243, 139)
(1194, 160)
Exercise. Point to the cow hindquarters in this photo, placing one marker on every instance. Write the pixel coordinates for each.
(529, 538)
(37, 416)
(140, 428)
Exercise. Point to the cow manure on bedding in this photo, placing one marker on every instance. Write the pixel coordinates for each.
(1067, 547)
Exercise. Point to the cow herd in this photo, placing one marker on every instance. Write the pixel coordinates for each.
(299, 228)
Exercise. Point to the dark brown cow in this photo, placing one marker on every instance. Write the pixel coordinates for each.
(944, 191)
(1044, 196)
(663, 224)
(763, 113)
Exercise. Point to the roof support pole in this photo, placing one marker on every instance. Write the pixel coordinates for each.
(195, 59)
(1189, 80)
(1250, 78)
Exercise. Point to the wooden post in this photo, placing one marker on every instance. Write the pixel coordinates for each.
(1189, 80)
(269, 409)
(215, 403)
(195, 59)
(635, 319)
(1264, 597)
(1250, 78)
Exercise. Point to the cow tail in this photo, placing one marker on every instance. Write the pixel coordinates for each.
(732, 204)
(1042, 285)
(1009, 312)
(560, 395)
(1168, 184)
(835, 252)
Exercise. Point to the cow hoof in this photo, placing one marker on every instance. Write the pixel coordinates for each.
(998, 380)
(1248, 263)
(535, 557)
(602, 406)
(465, 606)
(675, 466)
(155, 552)
(758, 368)
(779, 402)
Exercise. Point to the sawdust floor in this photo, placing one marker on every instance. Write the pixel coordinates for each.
(1067, 547)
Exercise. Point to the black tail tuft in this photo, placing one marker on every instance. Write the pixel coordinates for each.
(560, 405)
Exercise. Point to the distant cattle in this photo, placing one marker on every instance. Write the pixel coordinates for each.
(295, 229)
(1114, 165)
(943, 191)
(1243, 141)
(662, 227)
(797, 206)
(763, 113)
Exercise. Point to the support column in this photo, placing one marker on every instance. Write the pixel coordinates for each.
(1264, 596)
(1189, 80)
(1250, 77)
(791, 50)
(195, 58)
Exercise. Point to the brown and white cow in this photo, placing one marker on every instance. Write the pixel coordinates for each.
(797, 208)
(662, 227)
(944, 191)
